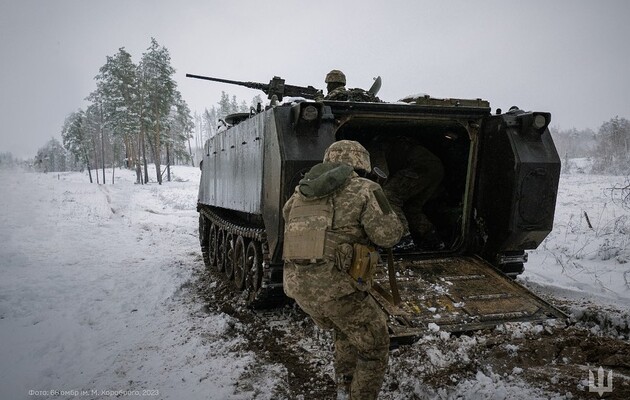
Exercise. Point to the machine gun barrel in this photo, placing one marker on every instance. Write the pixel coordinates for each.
(275, 87)
(251, 85)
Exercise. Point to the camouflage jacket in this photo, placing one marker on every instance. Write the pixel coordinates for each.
(356, 94)
(361, 214)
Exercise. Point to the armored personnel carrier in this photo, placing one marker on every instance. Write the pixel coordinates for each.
(497, 200)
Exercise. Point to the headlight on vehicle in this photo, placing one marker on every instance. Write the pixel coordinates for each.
(309, 113)
(539, 121)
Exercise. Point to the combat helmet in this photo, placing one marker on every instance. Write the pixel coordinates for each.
(335, 76)
(349, 152)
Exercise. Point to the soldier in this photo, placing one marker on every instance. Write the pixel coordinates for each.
(332, 215)
(336, 86)
(415, 175)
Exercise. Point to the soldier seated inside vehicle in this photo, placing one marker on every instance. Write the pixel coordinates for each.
(415, 176)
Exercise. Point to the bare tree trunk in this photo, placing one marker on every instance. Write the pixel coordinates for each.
(155, 152)
(144, 160)
(87, 163)
(96, 160)
(103, 151)
(157, 160)
(138, 168)
(168, 163)
(113, 160)
(129, 153)
(192, 157)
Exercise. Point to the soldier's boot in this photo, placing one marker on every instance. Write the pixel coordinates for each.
(406, 243)
(368, 378)
(343, 387)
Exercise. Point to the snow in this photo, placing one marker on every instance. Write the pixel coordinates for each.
(93, 294)
(492, 386)
(582, 263)
(96, 295)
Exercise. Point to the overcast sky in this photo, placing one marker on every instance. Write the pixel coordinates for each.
(570, 58)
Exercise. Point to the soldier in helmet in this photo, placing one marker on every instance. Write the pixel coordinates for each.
(332, 213)
(336, 85)
(414, 177)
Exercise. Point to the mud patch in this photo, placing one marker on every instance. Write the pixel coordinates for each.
(284, 336)
(559, 359)
(511, 361)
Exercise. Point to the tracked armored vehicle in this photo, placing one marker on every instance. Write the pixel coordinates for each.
(497, 200)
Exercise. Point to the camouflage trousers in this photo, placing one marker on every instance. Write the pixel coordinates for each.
(361, 340)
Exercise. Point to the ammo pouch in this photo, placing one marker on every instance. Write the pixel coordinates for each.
(363, 267)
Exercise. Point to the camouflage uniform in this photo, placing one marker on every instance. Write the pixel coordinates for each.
(336, 84)
(338, 94)
(415, 174)
(321, 286)
(343, 94)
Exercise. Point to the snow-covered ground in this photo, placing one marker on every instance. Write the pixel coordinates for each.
(93, 292)
(586, 264)
(97, 298)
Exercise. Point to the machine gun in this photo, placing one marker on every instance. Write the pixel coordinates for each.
(276, 87)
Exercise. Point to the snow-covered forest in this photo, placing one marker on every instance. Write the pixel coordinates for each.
(136, 116)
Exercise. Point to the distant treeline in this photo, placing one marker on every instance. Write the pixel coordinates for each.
(7, 160)
(211, 120)
(609, 147)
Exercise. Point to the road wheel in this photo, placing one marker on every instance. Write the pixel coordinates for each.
(213, 246)
(204, 225)
(229, 256)
(221, 249)
(253, 266)
(240, 265)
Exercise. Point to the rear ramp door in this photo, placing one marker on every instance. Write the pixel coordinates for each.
(456, 293)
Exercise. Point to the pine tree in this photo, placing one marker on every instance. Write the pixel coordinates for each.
(51, 157)
(182, 128)
(233, 105)
(96, 127)
(157, 89)
(210, 118)
(256, 100)
(225, 107)
(117, 84)
(91, 128)
(243, 107)
(75, 138)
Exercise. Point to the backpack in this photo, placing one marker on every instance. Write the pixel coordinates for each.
(312, 212)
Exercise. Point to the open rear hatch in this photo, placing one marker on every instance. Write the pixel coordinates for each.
(457, 294)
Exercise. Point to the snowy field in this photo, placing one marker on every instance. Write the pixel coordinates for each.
(98, 299)
(93, 295)
(581, 262)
